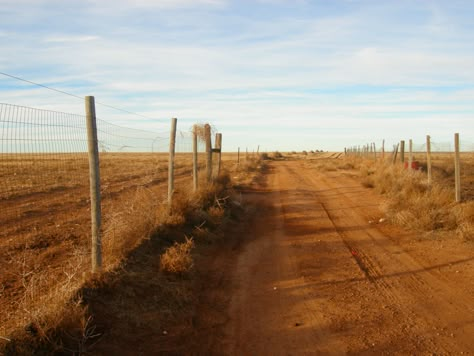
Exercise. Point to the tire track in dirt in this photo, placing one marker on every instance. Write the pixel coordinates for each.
(317, 278)
(428, 304)
(272, 311)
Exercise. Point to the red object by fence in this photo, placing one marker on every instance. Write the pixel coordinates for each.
(414, 165)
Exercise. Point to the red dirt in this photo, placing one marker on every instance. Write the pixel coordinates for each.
(312, 272)
(314, 276)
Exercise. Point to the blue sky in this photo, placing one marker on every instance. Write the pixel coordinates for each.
(285, 75)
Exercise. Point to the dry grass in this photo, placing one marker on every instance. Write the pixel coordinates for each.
(412, 202)
(177, 259)
(50, 315)
(129, 225)
(49, 306)
(415, 204)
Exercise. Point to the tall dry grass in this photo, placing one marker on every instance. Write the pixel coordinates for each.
(54, 318)
(129, 225)
(415, 204)
(177, 259)
(49, 306)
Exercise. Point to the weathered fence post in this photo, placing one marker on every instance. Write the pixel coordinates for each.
(238, 156)
(218, 145)
(171, 162)
(402, 151)
(195, 159)
(383, 150)
(94, 178)
(395, 153)
(457, 168)
(428, 158)
(410, 154)
(207, 133)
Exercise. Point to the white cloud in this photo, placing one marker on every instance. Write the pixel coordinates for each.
(304, 69)
(69, 39)
(155, 4)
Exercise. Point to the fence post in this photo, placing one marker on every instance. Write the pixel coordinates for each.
(219, 152)
(410, 154)
(428, 158)
(207, 130)
(395, 153)
(195, 159)
(383, 150)
(171, 162)
(457, 168)
(238, 156)
(402, 151)
(94, 178)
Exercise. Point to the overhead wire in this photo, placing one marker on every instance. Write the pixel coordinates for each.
(73, 95)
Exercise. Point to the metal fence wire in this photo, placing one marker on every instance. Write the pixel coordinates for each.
(44, 179)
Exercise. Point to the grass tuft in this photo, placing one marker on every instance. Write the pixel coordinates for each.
(177, 259)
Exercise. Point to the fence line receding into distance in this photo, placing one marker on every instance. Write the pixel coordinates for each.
(45, 166)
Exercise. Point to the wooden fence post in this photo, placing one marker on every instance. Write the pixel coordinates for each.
(195, 159)
(171, 162)
(94, 178)
(410, 154)
(383, 150)
(238, 156)
(218, 145)
(428, 158)
(395, 153)
(402, 151)
(207, 130)
(457, 168)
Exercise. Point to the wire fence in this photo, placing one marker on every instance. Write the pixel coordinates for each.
(45, 199)
(444, 165)
(44, 172)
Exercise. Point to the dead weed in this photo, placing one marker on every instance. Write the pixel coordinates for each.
(177, 259)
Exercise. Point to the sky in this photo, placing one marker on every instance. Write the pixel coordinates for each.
(280, 74)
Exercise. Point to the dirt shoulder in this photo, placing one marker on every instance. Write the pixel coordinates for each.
(318, 273)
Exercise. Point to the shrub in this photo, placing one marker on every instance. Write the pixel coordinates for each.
(177, 259)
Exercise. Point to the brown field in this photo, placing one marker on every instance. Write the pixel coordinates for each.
(45, 235)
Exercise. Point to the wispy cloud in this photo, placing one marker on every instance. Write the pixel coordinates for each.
(69, 39)
(311, 64)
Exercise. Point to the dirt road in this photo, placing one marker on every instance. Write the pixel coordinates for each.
(320, 274)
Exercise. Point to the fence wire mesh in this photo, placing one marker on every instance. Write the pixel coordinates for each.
(44, 174)
(442, 159)
(45, 218)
